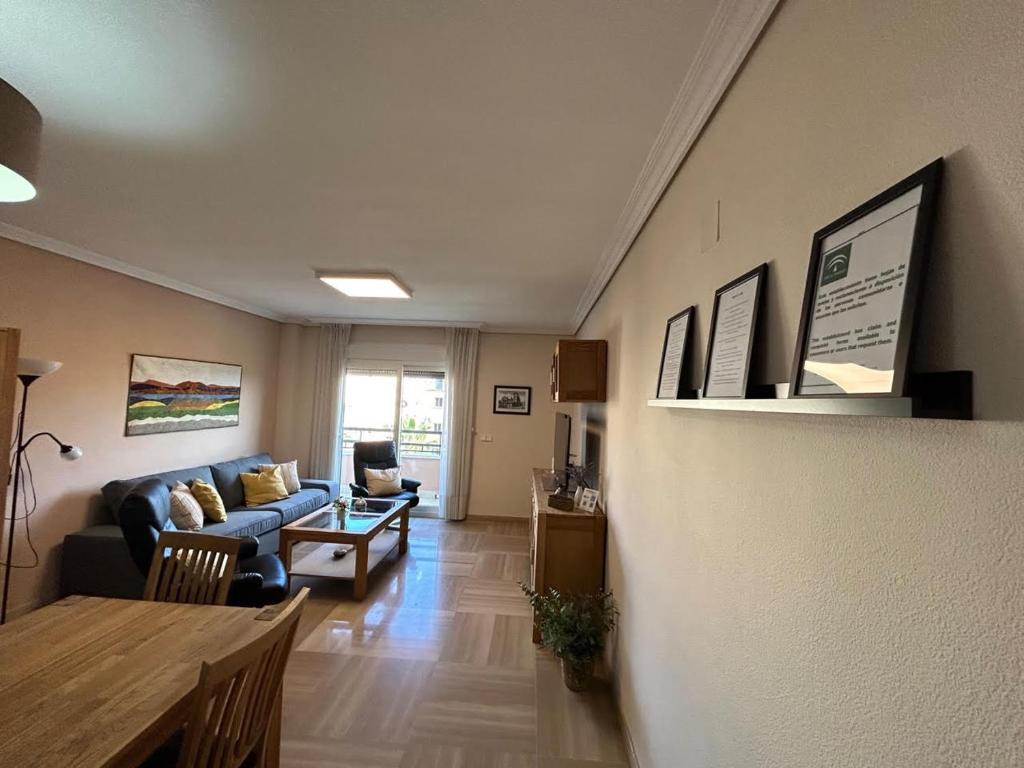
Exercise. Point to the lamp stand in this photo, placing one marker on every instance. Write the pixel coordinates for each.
(19, 449)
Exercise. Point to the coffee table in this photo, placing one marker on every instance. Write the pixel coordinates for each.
(368, 531)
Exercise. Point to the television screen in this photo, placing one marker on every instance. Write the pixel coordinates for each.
(560, 457)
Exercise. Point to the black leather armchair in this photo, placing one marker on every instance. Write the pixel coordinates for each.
(259, 579)
(380, 455)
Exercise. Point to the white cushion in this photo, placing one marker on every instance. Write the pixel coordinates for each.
(289, 473)
(384, 482)
(186, 514)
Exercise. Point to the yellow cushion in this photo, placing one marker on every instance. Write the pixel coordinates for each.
(289, 471)
(264, 487)
(209, 499)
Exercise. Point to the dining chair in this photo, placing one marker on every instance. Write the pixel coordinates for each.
(232, 709)
(198, 569)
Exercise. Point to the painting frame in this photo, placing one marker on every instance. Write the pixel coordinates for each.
(178, 368)
(929, 180)
(589, 500)
(505, 410)
(760, 274)
(682, 372)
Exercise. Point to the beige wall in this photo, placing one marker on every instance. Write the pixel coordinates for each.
(501, 467)
(811, 591)
(93, 320)
(294, 413)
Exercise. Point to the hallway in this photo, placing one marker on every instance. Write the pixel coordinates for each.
(436, 668)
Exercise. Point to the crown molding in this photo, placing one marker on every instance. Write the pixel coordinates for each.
(61, 248)
(732, 33)
(482, 327)
(383, 321)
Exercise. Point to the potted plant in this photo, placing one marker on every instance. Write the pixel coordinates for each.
(574, 628)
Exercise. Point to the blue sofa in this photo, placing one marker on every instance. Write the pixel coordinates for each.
(98, 561)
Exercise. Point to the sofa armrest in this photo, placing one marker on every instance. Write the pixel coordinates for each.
(250, 547)
(246, 590)
(96, 561)
(358, 490)
(332, 487)
(408, 484)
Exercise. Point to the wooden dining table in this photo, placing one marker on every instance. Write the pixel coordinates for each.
(90, 681)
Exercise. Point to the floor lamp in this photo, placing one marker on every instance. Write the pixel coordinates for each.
(28, 371)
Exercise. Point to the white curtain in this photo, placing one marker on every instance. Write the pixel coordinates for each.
(461, 351)
(325, 438)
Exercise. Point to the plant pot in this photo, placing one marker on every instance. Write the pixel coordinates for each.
(577, 674)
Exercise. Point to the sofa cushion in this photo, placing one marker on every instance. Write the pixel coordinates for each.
(226, 476)
(246, 522)
(263, 487)
(289, 473)
(208, 497)
(115, 491)
(298, 504)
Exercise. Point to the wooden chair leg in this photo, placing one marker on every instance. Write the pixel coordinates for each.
(270, 754)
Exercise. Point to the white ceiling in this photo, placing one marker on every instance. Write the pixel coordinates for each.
(484, 152)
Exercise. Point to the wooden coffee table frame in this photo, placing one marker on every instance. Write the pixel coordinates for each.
(297, 532)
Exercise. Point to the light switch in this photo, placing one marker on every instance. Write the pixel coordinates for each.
(486, 439)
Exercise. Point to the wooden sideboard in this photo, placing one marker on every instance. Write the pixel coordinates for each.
(566, 548)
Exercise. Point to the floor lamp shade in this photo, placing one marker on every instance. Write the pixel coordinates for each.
(20, 129)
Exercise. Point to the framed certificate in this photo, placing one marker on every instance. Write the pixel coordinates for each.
(731, 340)
(860, 298)
(675, 354)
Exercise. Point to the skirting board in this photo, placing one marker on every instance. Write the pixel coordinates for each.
(627, 737)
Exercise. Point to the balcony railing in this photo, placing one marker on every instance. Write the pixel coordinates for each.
(413, 443)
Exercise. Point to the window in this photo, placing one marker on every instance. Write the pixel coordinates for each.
(406, 404)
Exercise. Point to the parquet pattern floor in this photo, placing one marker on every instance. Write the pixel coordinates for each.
(436, 667)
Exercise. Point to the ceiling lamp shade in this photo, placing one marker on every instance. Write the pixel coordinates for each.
(20, 127)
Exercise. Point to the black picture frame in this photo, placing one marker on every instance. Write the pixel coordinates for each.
(683, 382)
(508, 412)
(929, 178)
(760, 273)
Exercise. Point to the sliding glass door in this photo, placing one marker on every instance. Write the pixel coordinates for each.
(403, 403)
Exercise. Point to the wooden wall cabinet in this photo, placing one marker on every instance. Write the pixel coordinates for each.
(566, 548)
(579, 371)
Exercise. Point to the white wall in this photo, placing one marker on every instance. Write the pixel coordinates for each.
(818, 591)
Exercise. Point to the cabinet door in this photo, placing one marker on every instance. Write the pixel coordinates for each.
(580, 370)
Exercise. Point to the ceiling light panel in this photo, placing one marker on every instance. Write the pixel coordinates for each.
(366, 286)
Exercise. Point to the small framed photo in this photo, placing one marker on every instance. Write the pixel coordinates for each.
(512, 400)
(675, 353)
(860, 298)
(589, 499)
(733, 335)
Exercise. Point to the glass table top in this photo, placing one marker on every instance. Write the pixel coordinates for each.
(352, 520)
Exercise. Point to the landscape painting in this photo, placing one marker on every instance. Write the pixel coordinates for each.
(166, 394)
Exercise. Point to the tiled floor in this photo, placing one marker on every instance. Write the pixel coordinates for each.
(436, 668)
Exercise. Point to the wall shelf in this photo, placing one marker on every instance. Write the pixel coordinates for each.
(946, 395)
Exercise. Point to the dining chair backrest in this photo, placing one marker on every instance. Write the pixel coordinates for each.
(236, 697)
(197, 569)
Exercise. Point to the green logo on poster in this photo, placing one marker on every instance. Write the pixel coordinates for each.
(837, 264)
